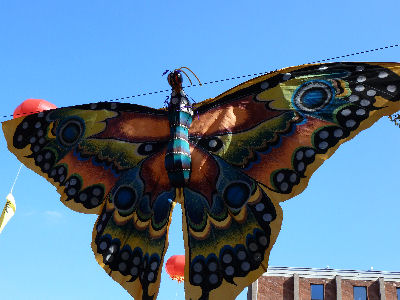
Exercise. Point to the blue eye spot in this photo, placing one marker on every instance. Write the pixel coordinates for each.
(236, 194)
(314, 98)
(70, 132)
(124, 198)
(313, 95)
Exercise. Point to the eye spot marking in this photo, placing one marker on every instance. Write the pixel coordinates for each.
(280, 177)
(359, 88)
(286, 76)
(354, 98)
(70, 132)
(323, 145)
(346, 112)
(260, 207)
(391, 88)
(360, 112)
(383, 74)
(285, 179)
(124, 199)
(148, 148)
(338, 132)
(214, 144)
(361, 78)
(350, 123)
(323, 134)
(267, 217)
(360, 68)
(197, 279)
(312, 96)
(265, 85)
(236, 194)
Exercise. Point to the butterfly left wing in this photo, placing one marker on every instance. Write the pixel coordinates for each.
(257, 145)
(107, 159)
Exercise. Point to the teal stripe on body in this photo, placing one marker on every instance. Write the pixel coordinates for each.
(177, 159)
(180, 146)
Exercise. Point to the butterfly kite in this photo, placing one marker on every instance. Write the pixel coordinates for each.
(229, 161)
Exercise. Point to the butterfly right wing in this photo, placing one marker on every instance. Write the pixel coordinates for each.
(107, 159)
(130, 237)
(83, 149)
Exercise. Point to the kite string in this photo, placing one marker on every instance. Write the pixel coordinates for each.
(15, 180)
(176, 294)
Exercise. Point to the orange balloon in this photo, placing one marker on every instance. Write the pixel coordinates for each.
(32, 106)
(175, 267)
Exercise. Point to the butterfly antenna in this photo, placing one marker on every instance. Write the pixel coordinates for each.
(185, 74)
(190, 72)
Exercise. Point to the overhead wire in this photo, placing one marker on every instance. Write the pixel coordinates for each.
(237, 77)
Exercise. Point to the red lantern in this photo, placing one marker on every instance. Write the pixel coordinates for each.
(32, 106)
(175, 267)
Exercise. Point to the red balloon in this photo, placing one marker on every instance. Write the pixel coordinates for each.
(175, 267)
(32, 106)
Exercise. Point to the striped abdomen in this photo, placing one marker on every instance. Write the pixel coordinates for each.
(177, 159)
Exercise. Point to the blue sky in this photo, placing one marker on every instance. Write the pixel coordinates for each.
(75, 52)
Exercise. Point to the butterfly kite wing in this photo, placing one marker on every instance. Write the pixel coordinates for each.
(280, 127)
(107, 159)
(257, 145)
(130, 237)
(229, 225)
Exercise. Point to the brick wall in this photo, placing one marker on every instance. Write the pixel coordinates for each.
(281, 288)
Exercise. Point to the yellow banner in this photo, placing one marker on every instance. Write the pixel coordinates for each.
(8, 211)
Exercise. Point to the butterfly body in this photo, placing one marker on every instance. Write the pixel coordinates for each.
(246, 151)
(177, 158)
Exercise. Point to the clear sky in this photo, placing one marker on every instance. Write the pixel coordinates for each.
(76, 52)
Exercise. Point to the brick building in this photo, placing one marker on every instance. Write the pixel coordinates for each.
(282, 283)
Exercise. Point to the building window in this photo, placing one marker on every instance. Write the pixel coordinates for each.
(359, 293)
(398, 293)
(317, 292)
